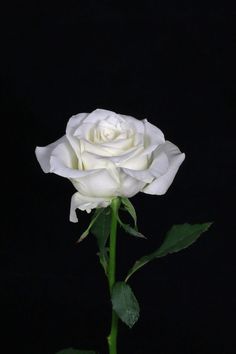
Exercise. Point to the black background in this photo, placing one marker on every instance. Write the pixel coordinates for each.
(171, 64)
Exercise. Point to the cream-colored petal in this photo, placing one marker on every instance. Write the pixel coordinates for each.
(160, 162)
(129, 186)
(136, 124)
(142, 175)
(154, 134)
(153, 137)
(99, 184)
(106, 149)
(129, 154)
(43, 153)
(86, 203)
(100, 114)
(63, 162)
(74, 124)
(93, 161)
(161, 184)
(137, 163)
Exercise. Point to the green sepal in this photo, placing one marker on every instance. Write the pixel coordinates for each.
(125, 304)
(75, 351)
(178, 238)
(94, 218)
(131, 230)
(128, 206)
(101, 230)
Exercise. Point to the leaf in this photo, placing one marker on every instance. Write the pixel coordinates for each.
(130, 208)
(103, 258)
(132, 231)
(181, 236)
(86, 232)
(128, 228)
(101, 230)
(75, 351)
(101, 227)
(124, 303)
(178, 238)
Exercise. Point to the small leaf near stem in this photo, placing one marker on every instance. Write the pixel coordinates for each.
(178, 238)
(132, 230)
(94, 218)
(130, 208)
(101, 229)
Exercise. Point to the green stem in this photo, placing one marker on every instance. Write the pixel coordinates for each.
(112, 338)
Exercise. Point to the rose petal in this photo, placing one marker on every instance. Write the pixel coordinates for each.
(119, 145)
(112, 148)
(79, 201)
(138, 125)
(43, 154)
(161, 184)
(153, 137)
(130, 154)
(160, 163)
(129, 186)
(142, 175)
(99, 184)
(72, 125)
(83, 131)
(93, 161)
(63, 162)
(155, 134)
(158, 167)
(137, 162)
(74, 122)
(100, 114)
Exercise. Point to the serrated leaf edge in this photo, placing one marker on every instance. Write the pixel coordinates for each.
(155, 254)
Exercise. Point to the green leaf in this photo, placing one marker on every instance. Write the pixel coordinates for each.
(94, 218)
(101, 230)
(128, 228)
(75, 351)
(101, 227)
(178, 238)
(130, 208)
(84, 234)
(132, 231)
(125, 304)
(103, 258)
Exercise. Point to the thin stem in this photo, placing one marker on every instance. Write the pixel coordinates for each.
(112, 338)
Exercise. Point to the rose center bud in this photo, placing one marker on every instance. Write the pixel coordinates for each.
(101, 135)
(108, 134)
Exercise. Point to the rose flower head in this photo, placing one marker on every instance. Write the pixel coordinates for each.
(106, 155)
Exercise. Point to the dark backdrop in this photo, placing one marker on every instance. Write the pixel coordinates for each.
(171, 64)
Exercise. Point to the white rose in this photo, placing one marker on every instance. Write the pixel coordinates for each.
(105, 155)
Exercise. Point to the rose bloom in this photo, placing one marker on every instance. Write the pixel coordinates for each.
(106, 155)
